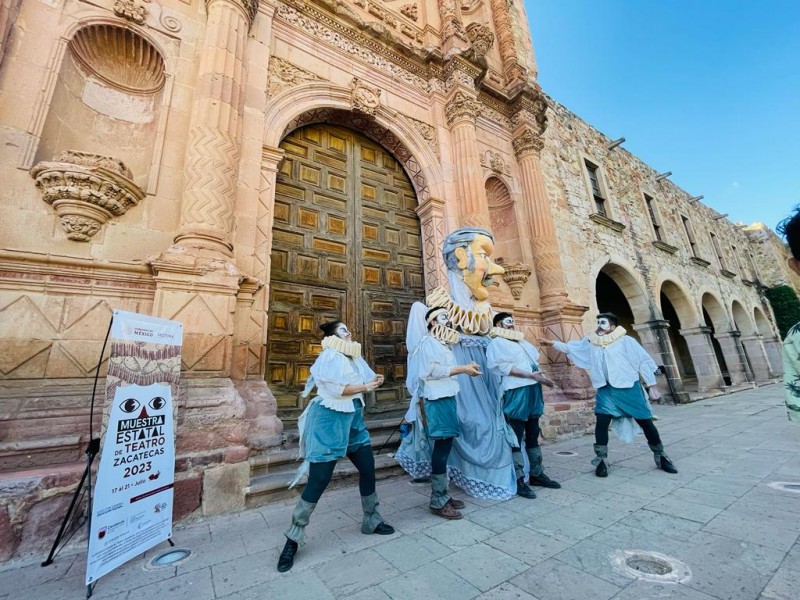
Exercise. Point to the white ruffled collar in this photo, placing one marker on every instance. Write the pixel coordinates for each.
(507, 334)
(351, 349)
(609, 338)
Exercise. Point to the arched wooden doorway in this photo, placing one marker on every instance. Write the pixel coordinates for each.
(346, 244)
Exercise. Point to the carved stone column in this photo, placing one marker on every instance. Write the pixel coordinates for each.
(462, 112)
(698, 339)
(731, 349)
(757, 356)
(528, 144)
(434, 230)
(454, 36)
(212, 153)
(654, 336)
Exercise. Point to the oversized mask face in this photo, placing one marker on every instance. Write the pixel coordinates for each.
(443, 320)
(343, 332)
(507, 323)
(477, 266)
(604, 326)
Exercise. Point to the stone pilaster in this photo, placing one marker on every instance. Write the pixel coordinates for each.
(655, 339)
(730, 344)
(564, 325)
(512, 69)
(462, 111)
(774, 349)
(754, 348)
(434, 230)
(528, 144)
(212, 152)
(698, 339)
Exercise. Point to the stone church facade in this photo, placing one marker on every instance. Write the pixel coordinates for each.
(253, 168)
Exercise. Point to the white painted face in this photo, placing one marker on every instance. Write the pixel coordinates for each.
(343, 332)
(507, 323)
(443, 320)
(603, 326)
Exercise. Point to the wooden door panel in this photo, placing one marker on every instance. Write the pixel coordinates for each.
(344, 227)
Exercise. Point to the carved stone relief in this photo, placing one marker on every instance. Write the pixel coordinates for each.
(410, 10)
(132, 10)
(426, 131)
(365, 98)
(527, 142)
(481, 38)
(86, 190)
(284, 75)
(493, 160)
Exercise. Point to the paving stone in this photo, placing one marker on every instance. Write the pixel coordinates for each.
(213, 552)
(196, 585)
(533, 509)
(458, 534)
(718, 485)
(483, 566)
(733, 525)
(784, 585)
(527, 545)
(555, 580)
(564, 528)
(714, 500)
(373, 593)
(355, 572)
(432, 581)
(409, 552)
(506, 591)
(594, 558)
(646, 590)
(666, 525)
(500, 519)
(589, 512)
(242, 573)
(290, 586)
(414, 519)
(684, 510)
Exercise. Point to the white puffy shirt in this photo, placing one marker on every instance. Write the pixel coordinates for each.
(504, 355)
(332, 371)
(625, 360)
(433, 363)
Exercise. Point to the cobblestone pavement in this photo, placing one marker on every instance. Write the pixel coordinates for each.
(720, 517)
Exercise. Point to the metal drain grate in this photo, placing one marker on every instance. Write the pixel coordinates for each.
(649, 566)
(565, 453)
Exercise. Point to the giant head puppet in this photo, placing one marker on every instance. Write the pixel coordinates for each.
(467, 255)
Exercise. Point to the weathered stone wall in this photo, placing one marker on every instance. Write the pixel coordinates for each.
(770, 254)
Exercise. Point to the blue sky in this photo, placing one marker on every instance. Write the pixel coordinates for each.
(707, 89)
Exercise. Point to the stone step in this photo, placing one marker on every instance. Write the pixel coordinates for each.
(274, 485)
(271, 471)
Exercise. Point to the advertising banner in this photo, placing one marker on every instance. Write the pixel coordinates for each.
(132, 506)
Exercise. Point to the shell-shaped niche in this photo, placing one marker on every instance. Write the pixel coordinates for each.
(120, 57)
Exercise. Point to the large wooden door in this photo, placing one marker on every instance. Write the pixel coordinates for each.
(346, 244)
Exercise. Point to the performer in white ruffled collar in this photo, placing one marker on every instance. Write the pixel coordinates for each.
(331, 427)
(516, 362)
(615, 362)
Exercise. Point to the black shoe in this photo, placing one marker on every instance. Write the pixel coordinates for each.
(666, 465)
(383, 529)
(286, 559)
(421, 480)
(601, 470)
(523, 489)
(543, 480)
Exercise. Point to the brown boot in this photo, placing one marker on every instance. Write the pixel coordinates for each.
(447, 512)
(457, 504)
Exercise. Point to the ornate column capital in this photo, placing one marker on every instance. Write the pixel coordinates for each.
(461, 107)
(526, 143)
(248, 7)
(271, 157)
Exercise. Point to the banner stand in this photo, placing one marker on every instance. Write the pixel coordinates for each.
(92, 450)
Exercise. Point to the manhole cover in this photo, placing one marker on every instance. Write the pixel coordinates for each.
(565, 453)
(786, 486)
(652, 566)
(170, 557)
